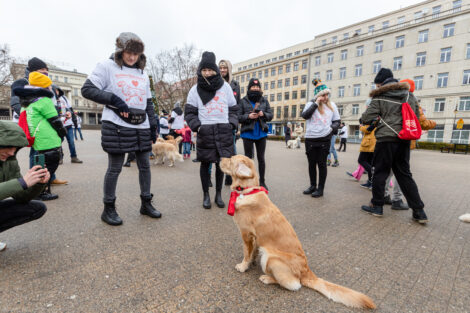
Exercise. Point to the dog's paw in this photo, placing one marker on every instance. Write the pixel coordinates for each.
(241, 267)
(266, 279)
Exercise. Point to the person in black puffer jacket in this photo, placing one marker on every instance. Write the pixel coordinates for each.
(129, 123)
(211, 111)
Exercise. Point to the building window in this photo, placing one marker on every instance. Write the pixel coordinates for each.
(373, 86)
(355, 109)
(358, 70)
(294, 94)
(248, 76)
(418, 16)
(274, 59)
(305, 50)
(468, 51)
(303, 94)
(436, 134)
(281, 57)
(295, 81)
(279, 83)
(357, 90)
(75, 91)
(334, 39)
(461, 135)
(464, 104)
(266, 85)
(273, 71)
(287, 82)
(245, 67)
(397, 63)
(293, 111)
(243, 78)
(271, 97)
(323, 42)
(66, 79)
(449, 30)
(436, 11)
(371, 28)
(423, 36)
(359, 51)
(255, 65)
(330, 58)
(316, 75)
(296, 66)
(442, 80)
(385, 25)
(445, 55)
(286, 95)
(456, 6)
(289, 55)
(421, 59)
(342, 73)
(278, 112)
(266, 72)
(439, 104)
(317, 60)
(357, 32)
(260, 74)
(418, 82)
(377, 67)
(288, 68)
(400, 41)
(340, 109)
(279, 70)
(466, 77)
(250, 66)
(303, 79)
(242, 90)
(379, 46)
(261, 63)
(341, 92)
(344, 54)
(273, 84)
(304, 64)
(329, 75)
(267, 61)
(286, 111)
(279, 97)
(400, 20)
(76, 102)
(345, 36)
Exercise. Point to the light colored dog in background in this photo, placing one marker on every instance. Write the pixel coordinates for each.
(163, 150)
(465, 218)
(173, 141)
(293, 143)
(263, 228)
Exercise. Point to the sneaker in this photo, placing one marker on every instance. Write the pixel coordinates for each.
(59, 182)
(419, 216)
(3, 246)
(374, 210)
(399, 205)
(350, 174)
(328, 162)
(387, 200)
(196, 160)
(336, 164)
(367, 185)
(47, 196)
(76, 160)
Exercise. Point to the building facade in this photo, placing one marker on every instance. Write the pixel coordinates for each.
(428, 42)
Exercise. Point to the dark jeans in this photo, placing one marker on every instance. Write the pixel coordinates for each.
(13, 213)
(394, 156)
(115, 162)
(365, 160)
(206, 176)
(342, 142)
(79, 131)
(70, 141)
(260, 145)
(317, 154)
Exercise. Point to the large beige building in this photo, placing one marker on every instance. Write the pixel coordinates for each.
(428, 42)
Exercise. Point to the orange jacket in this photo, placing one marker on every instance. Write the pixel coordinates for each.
(368, 141)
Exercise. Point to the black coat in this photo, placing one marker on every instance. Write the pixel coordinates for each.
(236, 90)
(246, 108)
(213, 141)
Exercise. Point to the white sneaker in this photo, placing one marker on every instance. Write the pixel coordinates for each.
(2, 246)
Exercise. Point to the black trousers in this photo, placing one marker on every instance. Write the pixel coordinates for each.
(260, 145)
(13, 213)
(394, 156)
(317, 153)
(206, 176)
(342, 142)
(365, 160)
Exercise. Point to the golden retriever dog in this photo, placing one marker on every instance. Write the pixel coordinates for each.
(163, 150)
(173, 141)
(294, 143)
(264, 229)
(465, 218)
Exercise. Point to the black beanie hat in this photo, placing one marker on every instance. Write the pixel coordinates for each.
(382, 75)
(254, 82)
(36, 64)
(208, 61)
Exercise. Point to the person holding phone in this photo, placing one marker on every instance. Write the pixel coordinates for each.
(16, 191)
(255, 112)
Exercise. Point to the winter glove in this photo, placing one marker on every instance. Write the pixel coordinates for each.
(153, 133)
(118, 104)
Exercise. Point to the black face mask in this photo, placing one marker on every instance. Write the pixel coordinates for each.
(207, 86)
(254, 95)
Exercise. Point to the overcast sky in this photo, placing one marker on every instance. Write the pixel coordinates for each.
(78, 34)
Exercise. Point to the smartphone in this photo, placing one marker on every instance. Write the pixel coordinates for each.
(38, 160)
(257, 110)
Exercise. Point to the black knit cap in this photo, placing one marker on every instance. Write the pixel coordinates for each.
(254, 82)
(382, 75)
(208, 61)
(36, 64)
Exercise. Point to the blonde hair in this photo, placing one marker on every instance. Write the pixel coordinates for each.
(321, 106)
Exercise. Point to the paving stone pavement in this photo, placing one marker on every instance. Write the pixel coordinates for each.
(70, 261)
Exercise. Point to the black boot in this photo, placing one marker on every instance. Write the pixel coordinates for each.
(147, 208)
(206, 203)
(210, 183)
(310, 190)
(228, 180)
(47, 195)
(218, 199)
(372, 209)
(110, 215)
(263, 184)
(318, 193)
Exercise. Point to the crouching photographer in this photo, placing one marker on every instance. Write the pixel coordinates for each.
(20, 208)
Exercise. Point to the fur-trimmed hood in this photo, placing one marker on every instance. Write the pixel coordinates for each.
(389, 87)
(132, 43)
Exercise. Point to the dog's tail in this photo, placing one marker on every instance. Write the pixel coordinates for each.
(337, 293)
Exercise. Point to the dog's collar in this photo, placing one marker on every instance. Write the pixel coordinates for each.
(239, 193)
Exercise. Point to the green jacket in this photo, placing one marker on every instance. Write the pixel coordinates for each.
(386, 102)
(11, 135)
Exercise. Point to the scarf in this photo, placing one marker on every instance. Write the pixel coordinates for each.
(234, 195)
(207, 87)
(254, 96)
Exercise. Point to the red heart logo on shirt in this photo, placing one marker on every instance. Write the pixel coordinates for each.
(216, 98)
(135, 83)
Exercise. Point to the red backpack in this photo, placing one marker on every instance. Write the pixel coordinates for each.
(411, 128)
(23, 123)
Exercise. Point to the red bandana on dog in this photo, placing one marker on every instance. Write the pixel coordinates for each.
(234, 195)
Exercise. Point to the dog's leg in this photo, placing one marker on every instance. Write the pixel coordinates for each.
(248, 252)
(282, 274)
(267, 280)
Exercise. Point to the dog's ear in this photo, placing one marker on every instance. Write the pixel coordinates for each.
(243, 171)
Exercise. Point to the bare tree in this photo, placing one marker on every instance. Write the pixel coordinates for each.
(5, 63)
(174, 73)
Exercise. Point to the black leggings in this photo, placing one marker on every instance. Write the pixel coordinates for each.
(206, 176)
(342, 142)
(317, 154)
(260, 149)
(13, 213)
(365, 160)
